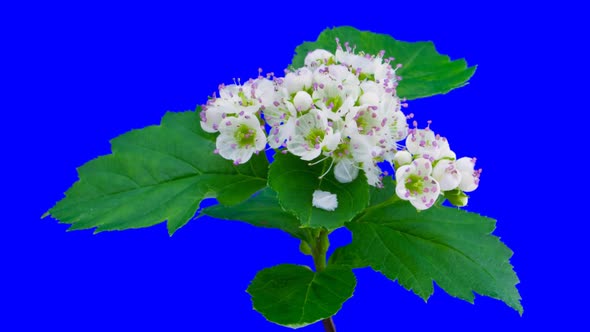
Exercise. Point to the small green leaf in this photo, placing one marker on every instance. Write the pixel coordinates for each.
(304, 248)
(295, 181)
(453, 247)
(425, 72)
(295, 296)
(154, 174)
(261, 210)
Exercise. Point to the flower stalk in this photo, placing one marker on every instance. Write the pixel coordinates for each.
(319, 248)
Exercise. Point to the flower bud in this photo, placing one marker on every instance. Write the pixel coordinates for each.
(402, 158)
(302, 101)
(456, 197)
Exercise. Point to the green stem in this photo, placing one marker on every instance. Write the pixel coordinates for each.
(319, 247)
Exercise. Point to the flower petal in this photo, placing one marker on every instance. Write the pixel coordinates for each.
(401, 191)
(345, 171)
(403, 172)
(447, 175)
(324, 200)
(423, 167)
(468, 182)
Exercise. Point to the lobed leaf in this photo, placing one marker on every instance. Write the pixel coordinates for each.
(452, 247)
(155, 174)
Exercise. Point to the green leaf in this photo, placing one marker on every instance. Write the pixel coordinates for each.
(155, 174)
(453, 247)
(304, 248)
(425, 72)
(383, 195)
(261, 210)
(295, 181)
(295, 296)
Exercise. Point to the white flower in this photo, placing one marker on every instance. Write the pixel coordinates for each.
(211, 116)
(324, 200)
(260, 91)
(336, 90)
(277, 113)
(394, 119)
(366, 152)
(239, 138)
(365, 120)
(469, 176)
(281, 118)
(280, 134)
(424, 143)
(365, 148)
(235, 98)
(386, 75)
(415, 184)
(361, 63)
(299, 80)
(447, 174)
(317, 58)
(238, 100)
(311, 134)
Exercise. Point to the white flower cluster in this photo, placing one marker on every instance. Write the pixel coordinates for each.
(341, 107)
(429, 168)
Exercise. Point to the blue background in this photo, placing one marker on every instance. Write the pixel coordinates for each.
(74, 76)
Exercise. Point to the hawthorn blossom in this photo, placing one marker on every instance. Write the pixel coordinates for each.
(317, 58)
(424, 143)
(469, 176)
(416, 185)
(281, 118)
(299, 80)
(312, 133)
(239, 138)
(455, 177)
(341, 109)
